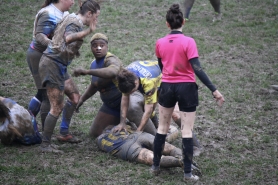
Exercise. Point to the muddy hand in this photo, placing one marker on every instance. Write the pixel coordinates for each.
(78, 72)
(118, 128)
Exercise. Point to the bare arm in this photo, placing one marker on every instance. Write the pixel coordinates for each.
(110, 71)
(77, 36)
(124, 108)
(107, 72)
(146, 116)
(90, 91)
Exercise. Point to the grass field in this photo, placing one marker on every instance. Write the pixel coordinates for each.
(239, 54)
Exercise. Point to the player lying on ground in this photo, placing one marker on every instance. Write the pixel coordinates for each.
(136, 146)
(16, 124)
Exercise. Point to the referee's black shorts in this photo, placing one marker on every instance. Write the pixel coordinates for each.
(185, 93)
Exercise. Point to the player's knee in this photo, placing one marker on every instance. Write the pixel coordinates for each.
(95, 130)
(176, 116)
(74, 98)
(93, 133)
(55, 111)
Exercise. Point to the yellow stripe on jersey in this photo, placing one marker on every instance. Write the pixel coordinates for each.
(105, 142)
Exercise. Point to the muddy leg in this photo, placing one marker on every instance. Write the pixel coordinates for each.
(72, 92)
(56, 98)
(101, 121)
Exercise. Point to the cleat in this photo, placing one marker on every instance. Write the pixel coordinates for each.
(49, 148)
(192, 178)
(68, 138)
(155, 170)
(217, 17)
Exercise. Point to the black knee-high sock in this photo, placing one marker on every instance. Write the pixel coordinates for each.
(158, 146)
(187, 148)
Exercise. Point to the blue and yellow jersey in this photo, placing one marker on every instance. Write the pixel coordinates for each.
(149, 73)
(108, 88)
(111, 142)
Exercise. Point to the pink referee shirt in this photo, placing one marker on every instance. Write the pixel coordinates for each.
(175, 51)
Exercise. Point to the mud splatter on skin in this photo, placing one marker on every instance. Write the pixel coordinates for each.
(168, 148)
(71, 89)
(56, 98)
(145, 157)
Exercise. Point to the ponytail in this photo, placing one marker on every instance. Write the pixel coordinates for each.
(174, 16)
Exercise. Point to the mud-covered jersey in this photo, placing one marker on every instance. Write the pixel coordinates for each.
(109, 93)
(60, 51)
(45, 22)
(111, 142)
(21, 121)
(149, 74)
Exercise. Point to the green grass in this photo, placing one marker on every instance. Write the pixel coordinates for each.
(239, 54)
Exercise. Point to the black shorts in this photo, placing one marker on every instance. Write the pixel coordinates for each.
(186, 94)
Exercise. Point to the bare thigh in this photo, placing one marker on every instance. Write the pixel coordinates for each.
(165, 115)
(101, 121)
(56, 99)
(145, 157)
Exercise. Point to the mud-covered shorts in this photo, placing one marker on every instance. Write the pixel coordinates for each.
(186, 94)
(33, 60)
(53, 74)
(135, 142)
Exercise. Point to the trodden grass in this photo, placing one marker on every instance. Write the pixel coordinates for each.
(238, 53)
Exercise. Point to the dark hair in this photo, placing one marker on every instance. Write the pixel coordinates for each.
(4, 111)
(89, 5)
(48, 2)
(174, 16)
(126, 81)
